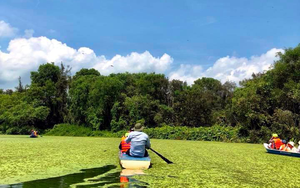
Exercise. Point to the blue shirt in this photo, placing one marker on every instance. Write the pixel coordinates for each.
(139, 141)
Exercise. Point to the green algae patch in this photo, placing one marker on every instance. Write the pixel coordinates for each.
(26, 159)
(196, 163)
(217, 164)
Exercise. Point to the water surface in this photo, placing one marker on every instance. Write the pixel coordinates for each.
(86, 178)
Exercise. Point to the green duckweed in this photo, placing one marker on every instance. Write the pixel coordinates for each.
(196, 163)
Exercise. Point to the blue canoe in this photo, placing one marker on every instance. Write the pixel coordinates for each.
(129, 162)
(278, 152)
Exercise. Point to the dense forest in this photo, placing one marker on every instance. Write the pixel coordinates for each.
(268, 102)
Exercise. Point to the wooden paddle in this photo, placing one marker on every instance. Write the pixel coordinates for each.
(163, 158)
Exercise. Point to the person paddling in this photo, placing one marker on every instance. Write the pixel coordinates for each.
(33, 134)
(139, 142)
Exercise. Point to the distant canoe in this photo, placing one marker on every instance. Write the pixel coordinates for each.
(128, 162)
(278, 152)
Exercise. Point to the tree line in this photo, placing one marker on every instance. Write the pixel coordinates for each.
(268, 102)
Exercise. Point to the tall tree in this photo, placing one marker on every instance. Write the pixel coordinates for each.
(20, 87)
(49, 88)
(80, 104)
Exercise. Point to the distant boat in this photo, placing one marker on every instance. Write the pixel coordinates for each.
(128, 162)
(278, 152)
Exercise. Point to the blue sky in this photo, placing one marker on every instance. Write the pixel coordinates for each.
(195, 34)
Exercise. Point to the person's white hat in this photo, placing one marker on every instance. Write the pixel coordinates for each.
(291, 143)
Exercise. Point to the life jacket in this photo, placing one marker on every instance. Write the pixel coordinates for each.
(124, 146)
(277, 142)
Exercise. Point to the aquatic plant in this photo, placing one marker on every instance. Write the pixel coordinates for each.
(196, 163)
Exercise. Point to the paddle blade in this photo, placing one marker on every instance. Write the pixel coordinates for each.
(163, 158)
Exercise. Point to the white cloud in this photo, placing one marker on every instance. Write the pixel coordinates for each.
(6, 30)
(25, 55)
(228, 68)
(188, 73)
(134, 62)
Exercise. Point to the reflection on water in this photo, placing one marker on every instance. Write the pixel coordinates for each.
(87, 178)
(128, 182)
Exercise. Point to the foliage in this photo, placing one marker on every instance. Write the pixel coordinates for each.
(215, 133)
(49, 88)
(75, 130)
(267, 103)
(17, 116)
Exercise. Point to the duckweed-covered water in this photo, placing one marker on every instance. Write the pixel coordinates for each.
(87, 178)
(196, 163)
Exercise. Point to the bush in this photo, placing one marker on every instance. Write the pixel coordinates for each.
(17, 130)
(69, 130)
(215, 133)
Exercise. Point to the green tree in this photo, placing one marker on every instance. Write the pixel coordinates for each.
(49, 88)
(80, 104)
(17, 116)
(104, 93)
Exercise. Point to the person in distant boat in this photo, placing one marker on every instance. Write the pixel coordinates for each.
(123, 145)
(275, 142)
(139, 142)
(283, 146)
(33, 134)
(298, 149)
(290, 147)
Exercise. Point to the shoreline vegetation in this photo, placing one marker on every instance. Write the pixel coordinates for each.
(214, 133)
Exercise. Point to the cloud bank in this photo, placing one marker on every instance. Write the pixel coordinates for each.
(228, 68)
(25, 54)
